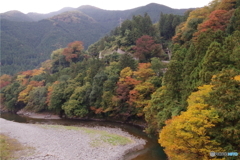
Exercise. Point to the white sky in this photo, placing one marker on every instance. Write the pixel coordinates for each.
(46, 6)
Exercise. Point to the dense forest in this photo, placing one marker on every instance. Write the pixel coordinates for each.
(192, 102)
(139, 37)
(28, 39)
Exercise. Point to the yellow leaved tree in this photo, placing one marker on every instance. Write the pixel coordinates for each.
(187, 136)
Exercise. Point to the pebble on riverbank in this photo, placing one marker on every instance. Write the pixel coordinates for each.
(45, 115)
(75, 143)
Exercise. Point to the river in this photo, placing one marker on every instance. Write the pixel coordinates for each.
(151, 151)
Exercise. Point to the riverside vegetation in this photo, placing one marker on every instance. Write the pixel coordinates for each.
(193, 102)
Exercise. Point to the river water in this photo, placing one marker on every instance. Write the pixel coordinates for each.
(151, 151)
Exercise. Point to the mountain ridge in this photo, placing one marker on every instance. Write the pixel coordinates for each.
(72, 16)
(39, 16)
(15, 15)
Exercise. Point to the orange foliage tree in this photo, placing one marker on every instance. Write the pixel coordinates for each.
(144, 72)
(49, 92)
(217, 20)
(140, 95)
(185, 30)
(133, 89)
(73, 50)
(36, 83)
(5, 80)
(31, 73)
(24, 76)
(124, 85)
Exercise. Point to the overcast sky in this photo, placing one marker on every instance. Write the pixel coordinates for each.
(46, 6)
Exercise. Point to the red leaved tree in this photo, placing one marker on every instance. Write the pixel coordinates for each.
(146, 48)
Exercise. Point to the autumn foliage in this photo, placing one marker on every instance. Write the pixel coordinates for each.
(73, 50)
(133, 87)
(33, 72)
(192, 102)
(226, 4)
(5, 80)
(146, 48)
(217, 20)
(49, 93)
(187, 136)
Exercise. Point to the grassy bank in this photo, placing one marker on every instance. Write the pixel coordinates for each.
(99, 137)
(9, 147)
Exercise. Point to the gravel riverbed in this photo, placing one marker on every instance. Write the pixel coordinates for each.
(56, 142)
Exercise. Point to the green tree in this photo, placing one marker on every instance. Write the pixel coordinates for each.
(57, 98)
(97, 89)
(157, 66)
(213, 62)
(126, 60)
(225, 99)
(77, 105)
(234, 21)
(73, 108)
(155, 112)
(11, 93)
(37, 100)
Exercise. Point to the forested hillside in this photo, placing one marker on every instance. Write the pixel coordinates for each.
(128, 35)
(28, 39)
(80, 84)
(25, 45)
(197, 108)
(192, 102)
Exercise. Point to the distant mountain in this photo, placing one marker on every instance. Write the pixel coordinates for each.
(28, 39)
(24, 45)
(37, 16)
(108, 18)
(16, 16)
(73, 17)
(154, 10)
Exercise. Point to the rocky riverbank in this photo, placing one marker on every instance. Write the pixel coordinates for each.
(56, 142)
(49, 115)
(43, 115)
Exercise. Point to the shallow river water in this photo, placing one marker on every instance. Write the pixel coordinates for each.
(151, 151)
